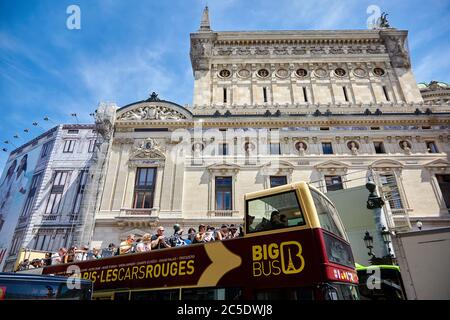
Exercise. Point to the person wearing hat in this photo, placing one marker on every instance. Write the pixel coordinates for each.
(223, 233)
(233, 231)
(175, 240)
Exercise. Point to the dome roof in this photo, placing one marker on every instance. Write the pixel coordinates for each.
(433, 85)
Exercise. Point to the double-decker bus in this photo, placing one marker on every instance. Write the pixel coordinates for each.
(293, 246)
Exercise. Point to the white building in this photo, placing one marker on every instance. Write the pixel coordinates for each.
(330, 107)
(50, 213)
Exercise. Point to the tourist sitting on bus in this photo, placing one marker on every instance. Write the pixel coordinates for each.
(175, 240)
(47, 261)
(58, 258)
(209, 234)
(35, 264)
(223, 233)
(191, 234)
(159, 240)
(70, 255)
(81, 253)
(200, 236)
(284, 220)
(110, 251)
(145, 244)
(127, 245)
(23, 265)
(251, 219)
(233, 231)
(275, 220)
(96, 253)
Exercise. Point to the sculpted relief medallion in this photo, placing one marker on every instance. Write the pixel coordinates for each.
(152, 113)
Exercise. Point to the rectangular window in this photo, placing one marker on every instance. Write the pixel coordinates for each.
(224, 193)
(276, 181)
(444, 185)
(431, 147)
(386, 95)
(327, 148)
(391, 191)
(305, 94)
(281, 210)
(72, 131)
(275, 148)
(46, 148)
(345, 93)
(333, 183)
(91, 145)
(144, 188)
(379, 147)
(224, 95)
(265, 94)
(223, 149)
(69, 146)
(31, 195)
(82, 179)
(54, 201)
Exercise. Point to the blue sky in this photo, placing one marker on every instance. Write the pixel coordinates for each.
(127, 48)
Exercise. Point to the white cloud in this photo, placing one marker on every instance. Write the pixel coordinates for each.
(434, 65)
(126, 76)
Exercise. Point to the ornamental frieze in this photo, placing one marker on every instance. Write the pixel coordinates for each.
(152, 113)
(304, 50)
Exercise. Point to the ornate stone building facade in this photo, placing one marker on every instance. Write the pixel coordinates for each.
(334, 108)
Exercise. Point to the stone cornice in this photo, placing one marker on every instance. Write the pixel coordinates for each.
(237, 122)
(298, 37)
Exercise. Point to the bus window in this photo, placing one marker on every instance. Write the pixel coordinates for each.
(28, 290)
(277, 211)
(327, 214)
(212, 294)
(338, 251)
(83, 293)
(299, 294)
(164, 295)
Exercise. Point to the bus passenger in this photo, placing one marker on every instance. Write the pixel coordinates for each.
(59, 257)
(275, 220)
(209, 235)
(146, 243)
(223, 233)
(233, 231)
(191, 234)
(159, 240)
(127, 245)
(200, 236)
(175, 240)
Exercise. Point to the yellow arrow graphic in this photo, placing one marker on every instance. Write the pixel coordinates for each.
(223, 261)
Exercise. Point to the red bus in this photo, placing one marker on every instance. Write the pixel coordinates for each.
(294, 247)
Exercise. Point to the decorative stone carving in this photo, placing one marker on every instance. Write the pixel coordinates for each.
(301, 147)
(282, 73)
(244, 73)
(148, 149)
(406, 146)
(353, 147)
(152, 113)
(397, 49)
(360, 72)
(321, 73)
